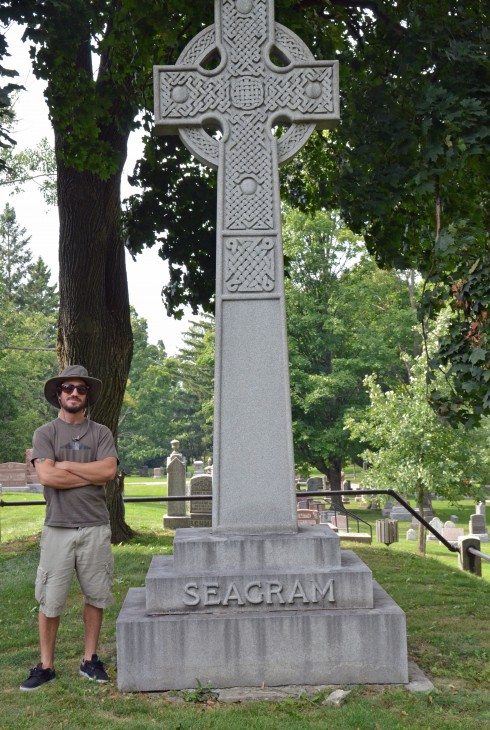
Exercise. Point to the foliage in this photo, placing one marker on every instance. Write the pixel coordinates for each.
(408, 168)
(168, 398)
(37, 294)
(411, 447)
(176, 210)
(346, 319)
(28, 311)
(146, 424)
(36, 164)
(15, 256)
(6, 112)
(202, 693)
(194, 416)
(25, 363)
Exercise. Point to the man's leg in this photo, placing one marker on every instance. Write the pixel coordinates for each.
(48, 629)
(92, 619)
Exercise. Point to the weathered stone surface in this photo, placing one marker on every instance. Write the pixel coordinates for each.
(349, 585)
(350, 646)
(253, 465)
(312, 547)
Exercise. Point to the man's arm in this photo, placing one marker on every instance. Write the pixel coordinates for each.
(95, 472)
(50, 475)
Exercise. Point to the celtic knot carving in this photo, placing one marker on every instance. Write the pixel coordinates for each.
(289, 43)
(199, 47)
(249, 265)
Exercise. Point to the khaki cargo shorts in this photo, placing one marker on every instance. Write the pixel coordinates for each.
(85, 550)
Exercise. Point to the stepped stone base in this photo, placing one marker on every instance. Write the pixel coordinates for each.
(349, 585)
(239, 649)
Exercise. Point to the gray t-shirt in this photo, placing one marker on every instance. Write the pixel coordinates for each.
(85, 442)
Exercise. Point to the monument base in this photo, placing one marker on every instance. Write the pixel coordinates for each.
(252, 610)
(241, 649)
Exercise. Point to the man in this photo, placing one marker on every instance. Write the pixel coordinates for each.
(74, 457)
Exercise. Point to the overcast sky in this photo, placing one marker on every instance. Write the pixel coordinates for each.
(147, 275)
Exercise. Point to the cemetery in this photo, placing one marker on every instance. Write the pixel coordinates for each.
(277, 585)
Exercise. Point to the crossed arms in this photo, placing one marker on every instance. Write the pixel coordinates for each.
(71, 474)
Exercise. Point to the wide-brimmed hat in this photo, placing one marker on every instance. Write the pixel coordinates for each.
(72, 371)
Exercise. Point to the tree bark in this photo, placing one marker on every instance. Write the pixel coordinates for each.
(94, 324)
(420, 505)
(334, 474)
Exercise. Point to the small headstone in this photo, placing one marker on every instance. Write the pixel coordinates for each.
(437, 524)
(449, 523)
(481, 509)
(452, 534)
(176, 487)
(400, 514)
(198, 468)
(308, 517)
(201, 510)
(386, 511)
(314, 484)
(411, 534)
(157, 472)
(478, 527)
(454, 518)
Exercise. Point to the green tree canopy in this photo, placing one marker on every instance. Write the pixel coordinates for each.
(411, 448)
(346, 319)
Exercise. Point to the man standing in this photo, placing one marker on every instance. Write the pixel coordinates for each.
(74, 457)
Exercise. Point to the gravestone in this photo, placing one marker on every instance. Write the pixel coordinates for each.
(176, 487)
(198, 468)
(452, 534)
(201, 510)
(308, 517)
(437, 524)
(255, 600)
(400, 514)
(478, 528)
(481, 509)
(386, 510)
(314, 484)
(411, 534)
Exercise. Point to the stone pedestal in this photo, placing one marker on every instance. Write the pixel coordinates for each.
(248, 610)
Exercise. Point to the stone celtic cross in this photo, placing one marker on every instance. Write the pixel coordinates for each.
(246, 95)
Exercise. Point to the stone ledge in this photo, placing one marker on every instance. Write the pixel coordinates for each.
(312, 547)
(349, 585)
(349, 646)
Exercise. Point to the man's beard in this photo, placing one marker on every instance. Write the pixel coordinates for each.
(75, 408)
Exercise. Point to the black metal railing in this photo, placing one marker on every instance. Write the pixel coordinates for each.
(320, 493)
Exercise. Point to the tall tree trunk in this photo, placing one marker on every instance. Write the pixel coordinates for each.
(94, 324)
(420, 505)
(335, 478)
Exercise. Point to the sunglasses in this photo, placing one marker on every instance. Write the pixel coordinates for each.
(70, 388)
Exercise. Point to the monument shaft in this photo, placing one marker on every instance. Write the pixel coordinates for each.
(246, 95)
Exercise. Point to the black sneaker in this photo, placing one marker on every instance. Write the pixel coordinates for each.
(94, 669)
(37, 677)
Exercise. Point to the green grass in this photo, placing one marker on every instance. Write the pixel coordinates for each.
(447, 622)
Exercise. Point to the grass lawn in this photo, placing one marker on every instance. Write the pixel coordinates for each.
(448, 636)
